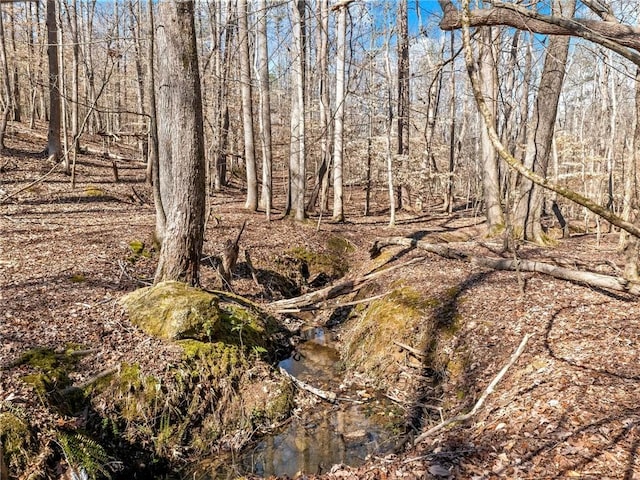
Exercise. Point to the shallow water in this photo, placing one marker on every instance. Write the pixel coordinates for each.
(345, 433)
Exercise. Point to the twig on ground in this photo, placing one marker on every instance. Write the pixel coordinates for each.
(28, 186)
(409, 349)
(490, 388)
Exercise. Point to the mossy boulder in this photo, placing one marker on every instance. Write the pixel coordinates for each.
(173, 311)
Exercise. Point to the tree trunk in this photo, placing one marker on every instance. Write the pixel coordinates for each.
(297, 152)
(448, 192)
(153, 167)
(404, 197)
(490, 172)
(181, 141)
(265, 109)
(338, 134)
(247, 108)
(54, 147)
(6, 110)
(528, 209)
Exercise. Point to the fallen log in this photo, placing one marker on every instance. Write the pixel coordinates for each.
(332, 291)
(591, 279)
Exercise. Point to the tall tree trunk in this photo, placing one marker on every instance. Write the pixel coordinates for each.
(265, 109)
(54, 147)
(404, 198)
(247, 108)
(490, 172)
(528, 210)
(629, 244)
(220, 177)
(153, 166)
(297, 152)
(72, 18)
(181, 140)
(15, 87)
(321, 187)
(448, 193)
(7, 100)
(338, 134)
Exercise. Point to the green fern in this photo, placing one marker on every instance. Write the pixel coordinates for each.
(85, 456)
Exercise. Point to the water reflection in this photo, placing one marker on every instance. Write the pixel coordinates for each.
(327, 435)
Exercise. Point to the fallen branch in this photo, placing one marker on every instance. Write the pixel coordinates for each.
(413, 351)
(332, 291)
(90, 381)
(462, 418)
(328, 396)
(591, 279)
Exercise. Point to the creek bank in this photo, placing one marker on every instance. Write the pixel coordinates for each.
(217, 390)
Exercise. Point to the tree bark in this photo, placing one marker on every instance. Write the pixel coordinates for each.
(54, 146)
(181, 141)
(338, 133)
(247, 108)
(490, 172)
(297, 150)
(265, 109)
(402, 25)
(528, 209)
(153, 167)
(7, 101)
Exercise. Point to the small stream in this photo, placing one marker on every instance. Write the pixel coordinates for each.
(363, 423)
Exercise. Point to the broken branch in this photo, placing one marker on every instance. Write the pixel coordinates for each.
(490, 388)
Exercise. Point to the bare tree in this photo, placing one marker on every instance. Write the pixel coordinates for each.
(338, 133)
(247, 108)
(8, 97)
(265, 109)
(402, 21)
(181, 140)
(490, 171)
(298, 129)
(54, 145)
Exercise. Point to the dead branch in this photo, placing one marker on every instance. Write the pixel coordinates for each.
(328, 396)
(254, 274)
(333, 291)
(230, 257)
(490, 388)
(413, 351)
(591, 279)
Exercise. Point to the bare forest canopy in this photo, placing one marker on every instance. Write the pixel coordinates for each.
(361, 94)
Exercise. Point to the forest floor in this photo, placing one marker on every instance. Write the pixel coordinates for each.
(569, 406)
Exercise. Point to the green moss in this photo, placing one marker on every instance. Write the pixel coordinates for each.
(281, 404)
(401, 316)
(138, 249)
(93, 191)
(15, 441)
(78, 278)
(52, 369)
(174, 310)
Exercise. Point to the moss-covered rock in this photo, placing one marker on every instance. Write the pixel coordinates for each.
(174, 310)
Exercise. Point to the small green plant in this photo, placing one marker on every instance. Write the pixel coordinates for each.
(86, 457)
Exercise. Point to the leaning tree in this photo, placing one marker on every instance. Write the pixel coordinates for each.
(608, 31)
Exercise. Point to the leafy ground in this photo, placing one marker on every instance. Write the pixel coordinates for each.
(569, 407)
